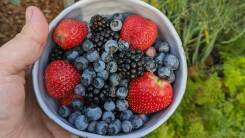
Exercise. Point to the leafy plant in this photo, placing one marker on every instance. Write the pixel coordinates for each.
(214, 102)
(204, 24)
(207, 109)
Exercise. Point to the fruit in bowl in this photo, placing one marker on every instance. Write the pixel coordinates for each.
(108, 80)
(100, 74)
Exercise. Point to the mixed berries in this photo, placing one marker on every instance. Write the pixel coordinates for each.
(110, 74)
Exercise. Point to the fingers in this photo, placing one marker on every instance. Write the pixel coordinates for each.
(26, 47)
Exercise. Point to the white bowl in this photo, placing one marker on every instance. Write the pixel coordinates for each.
(84, 10)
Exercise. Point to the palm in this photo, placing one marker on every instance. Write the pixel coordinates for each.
(20, 115)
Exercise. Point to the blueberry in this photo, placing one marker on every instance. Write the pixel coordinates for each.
(92, 126)
(163, 72)
(159, 59)
(98, 83)
(162, 47)
(113, 128)
(143, 117)
(136, 121)
(99, 66)
(93, 113)
(64, 111)
(126, 115)
(103, 74)
(171, 78)
(171, 61)
(118, 123)
(89, 70)
(71, 55)
(81, 63)
(108, 116)
(111, 46)
(81, 122)
(123, 45)
(124, 83)
(79, 90)
(122, 92)
(122, 105)
(101, 127)
(73, 117)
(109, 105)
(150, 65)
(127, 126)
(112, 67)
(106, 57)
(87, 45)
(116, 25)
(86, 78)
(92, 56)
(114, 79)
(76, 104)
(118, 16)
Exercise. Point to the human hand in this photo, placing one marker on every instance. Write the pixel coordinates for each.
(20, 115)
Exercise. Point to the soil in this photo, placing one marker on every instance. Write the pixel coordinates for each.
(12, 16)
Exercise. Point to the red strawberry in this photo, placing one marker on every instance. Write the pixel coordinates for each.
(61, 78)
(141, 33)
(68, 99)
(148, 94)
(70, 33)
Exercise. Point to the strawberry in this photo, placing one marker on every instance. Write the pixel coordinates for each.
(61, 78)
(68, 99)
(70, 33)
(141, 33)
(153, 97)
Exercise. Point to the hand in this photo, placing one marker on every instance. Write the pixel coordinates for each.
(20, 115)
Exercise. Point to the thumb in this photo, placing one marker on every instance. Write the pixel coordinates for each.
(25, 48)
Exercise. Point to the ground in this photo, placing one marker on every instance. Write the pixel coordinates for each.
(12, 16)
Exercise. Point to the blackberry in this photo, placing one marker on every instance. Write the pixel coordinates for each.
(56, 53)
(97, 97)
(99, 23)
(101, 32)
(130, 63)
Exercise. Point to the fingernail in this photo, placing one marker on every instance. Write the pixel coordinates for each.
(29, 13)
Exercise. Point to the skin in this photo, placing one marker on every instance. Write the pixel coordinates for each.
(20, 115)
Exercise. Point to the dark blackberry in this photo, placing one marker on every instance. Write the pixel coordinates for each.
(56, 53)
(97, 97)
(99, 23)
(130, 63)
(101, 32)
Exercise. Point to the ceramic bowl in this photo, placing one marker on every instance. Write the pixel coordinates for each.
(84, 10)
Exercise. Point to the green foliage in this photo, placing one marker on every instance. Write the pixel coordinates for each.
(214, 102)
(203, 24)
(234, 71)
(207, 109)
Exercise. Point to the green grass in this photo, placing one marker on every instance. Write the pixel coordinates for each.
(214, 103)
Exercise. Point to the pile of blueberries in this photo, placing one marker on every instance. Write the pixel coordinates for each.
(102, 112)
(104, 109)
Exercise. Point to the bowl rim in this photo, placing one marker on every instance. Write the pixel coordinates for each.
(72, 130)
